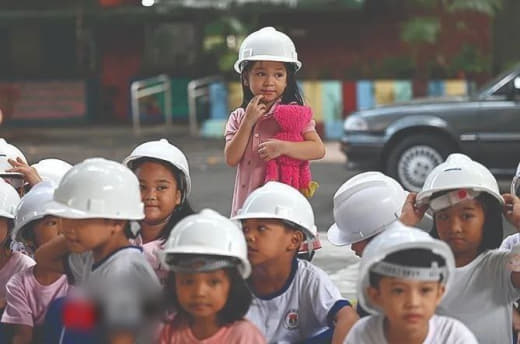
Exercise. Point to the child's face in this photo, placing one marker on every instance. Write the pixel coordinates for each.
(159, 191)
(407, 304)
(461, 227)
(88, 234)
(45, 230)
(4, 230)
(267, 240)
(202, 294)
(268, 78)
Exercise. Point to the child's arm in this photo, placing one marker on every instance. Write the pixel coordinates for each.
(512, 214)
(50, 255)
(344, 320)
(22, 334)
(235, 148)
(312, 148)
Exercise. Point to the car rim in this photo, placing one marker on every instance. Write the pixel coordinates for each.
(415, 164)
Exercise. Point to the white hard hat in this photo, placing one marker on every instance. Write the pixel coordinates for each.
(267, 44)
(459, 172)
(279, 201)
(98, 188)
(33, 206)
(9, 151)
(207, 234)
(52, 169)
(9, 200)
(165, 151)
(364, 206)
(399, 237)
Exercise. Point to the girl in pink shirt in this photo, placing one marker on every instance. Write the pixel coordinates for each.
(29, 292)
(164, 178)
(207, 254)
(267, 64)
(10, 261)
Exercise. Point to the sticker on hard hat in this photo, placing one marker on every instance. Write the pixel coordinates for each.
(452, 198)
(433, 273)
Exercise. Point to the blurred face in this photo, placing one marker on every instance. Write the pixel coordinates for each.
(461, 227)
(268, 239)
(407, 304)
(88, 234)
(267, 78)
(359, 247)
(159, 191)
(45, 230)
(202, 294)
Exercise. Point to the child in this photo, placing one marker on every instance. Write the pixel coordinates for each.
(207, 254)
(29, 292)
(513, 239)
(293, 300)
(10, 261)
(95, 201)
(356, 222)
(467, 208)
(403, 275)
(267, 64)
(164, 179)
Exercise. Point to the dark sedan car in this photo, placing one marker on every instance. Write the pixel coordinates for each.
(408, 140)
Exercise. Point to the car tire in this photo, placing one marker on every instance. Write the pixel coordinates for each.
(413, 157)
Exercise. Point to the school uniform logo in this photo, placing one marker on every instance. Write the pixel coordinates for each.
(292, 319)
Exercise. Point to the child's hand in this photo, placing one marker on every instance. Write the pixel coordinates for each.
(271, 149)
(410, 214)
(512, 209)
(30, 174)
(255, 109)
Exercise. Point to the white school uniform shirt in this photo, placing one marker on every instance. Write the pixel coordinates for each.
(121, 283)
(445, 330)
(481, 296)
(303, 308)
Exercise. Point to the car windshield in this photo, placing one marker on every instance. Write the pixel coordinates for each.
(485, 88)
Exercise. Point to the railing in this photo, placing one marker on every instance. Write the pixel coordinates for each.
(198, 88)
(143, 88)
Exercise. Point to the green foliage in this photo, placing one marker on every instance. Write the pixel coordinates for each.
(421, 30)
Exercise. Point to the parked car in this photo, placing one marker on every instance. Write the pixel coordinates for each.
(407, 140)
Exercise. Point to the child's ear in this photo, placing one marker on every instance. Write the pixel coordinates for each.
(374, 295)
(244, 79)
(178, 197)
(297, 238)
(117, 225)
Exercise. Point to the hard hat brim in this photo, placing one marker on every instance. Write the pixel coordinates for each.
(61, 210)
(238, 63)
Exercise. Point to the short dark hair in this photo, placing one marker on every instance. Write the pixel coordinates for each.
(291, 93)
(8, 240)
(413, 257)
(184, 208)
(236, 307)
(492, 230)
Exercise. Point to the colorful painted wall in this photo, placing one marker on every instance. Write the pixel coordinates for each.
(331, 100)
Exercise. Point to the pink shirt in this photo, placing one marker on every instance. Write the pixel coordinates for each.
(150, 250)
(251, 168)
(239, 332)
(17, 262)
(27, 299)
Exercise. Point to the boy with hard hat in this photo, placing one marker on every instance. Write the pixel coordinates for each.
(96, 200)
(293, 300)
(403, 276)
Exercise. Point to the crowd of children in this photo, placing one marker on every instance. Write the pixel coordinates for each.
(109, 252)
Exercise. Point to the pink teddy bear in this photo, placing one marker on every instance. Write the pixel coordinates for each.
(297, 173)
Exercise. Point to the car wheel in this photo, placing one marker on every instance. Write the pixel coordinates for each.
(412, 159)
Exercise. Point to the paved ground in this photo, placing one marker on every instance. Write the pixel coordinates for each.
(212, 180)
